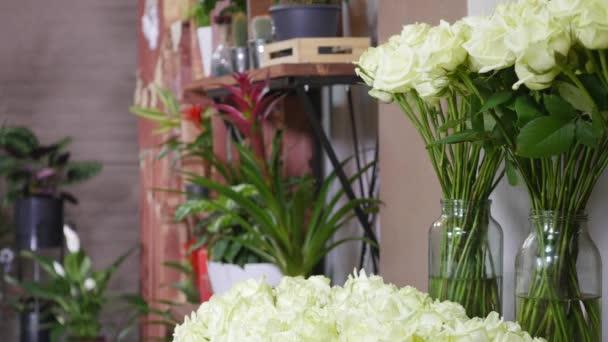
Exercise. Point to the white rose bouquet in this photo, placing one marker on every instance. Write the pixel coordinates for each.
(415, 69)
(365, 309)
(532, 80)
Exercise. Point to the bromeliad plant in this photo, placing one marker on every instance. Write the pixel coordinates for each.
(32, 169)
(287, 222)
(412, 70)
(75, 292)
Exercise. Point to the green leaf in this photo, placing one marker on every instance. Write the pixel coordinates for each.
(218, 251)
(585, 134)
(558, 107)
(575, 97)
(80, 171)
(545, 136)
(192, 207)
(526, 110)
(186, 269)
(596, 88)
(496, 100)
(512, 172)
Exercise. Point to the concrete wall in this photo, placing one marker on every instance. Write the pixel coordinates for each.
(68, 68)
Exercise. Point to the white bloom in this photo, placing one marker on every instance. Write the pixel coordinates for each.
(90, 284)
(58, 269)
(486, 45)
(71, 239)
(397, 70)
(442, 49)
(365, 309)
(414, 35)
(368, 65)
(591, 24)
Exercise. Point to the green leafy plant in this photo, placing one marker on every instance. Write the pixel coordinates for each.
(32, 169)
(76, 293)
(289, 222)
(167, 118)
(201, 11)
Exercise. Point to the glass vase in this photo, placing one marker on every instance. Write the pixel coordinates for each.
(465, 257)
(559, 279)
(221, 60)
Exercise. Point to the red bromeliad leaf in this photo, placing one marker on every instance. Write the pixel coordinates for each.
(236, 117)
(243, 81)
(265, 107)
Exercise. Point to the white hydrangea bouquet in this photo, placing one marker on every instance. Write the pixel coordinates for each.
(530, 79)
(365, 309)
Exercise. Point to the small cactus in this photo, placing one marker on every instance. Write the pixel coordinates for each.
(239, 29)
(262, 28)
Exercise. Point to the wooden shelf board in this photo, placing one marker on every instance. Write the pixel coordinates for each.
(275, 72)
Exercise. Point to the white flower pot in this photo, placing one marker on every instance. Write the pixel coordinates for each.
(224, 276)
(205, 44)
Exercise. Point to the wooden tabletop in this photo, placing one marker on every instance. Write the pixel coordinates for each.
(309, 70)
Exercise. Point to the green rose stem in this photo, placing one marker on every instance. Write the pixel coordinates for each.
(467, 173)
(559, 188)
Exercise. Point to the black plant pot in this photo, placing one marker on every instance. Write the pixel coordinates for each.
(305, 21)
(31, 327)
(39, 222)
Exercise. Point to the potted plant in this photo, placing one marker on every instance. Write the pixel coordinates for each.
(240, 34)
(201, 16)
(75, 293)
(305, 18)
(36, 175)
(287, 223)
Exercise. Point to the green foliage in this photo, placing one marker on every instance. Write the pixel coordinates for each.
(201, 11)
(75, 292)
(239, 29)
(261, 27)
(166, 119)
(32, 169)
(288, 222)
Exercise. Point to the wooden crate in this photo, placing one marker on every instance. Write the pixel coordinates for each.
(315, 50)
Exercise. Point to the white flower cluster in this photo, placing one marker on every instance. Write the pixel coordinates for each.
(365, 309)
(529, 35)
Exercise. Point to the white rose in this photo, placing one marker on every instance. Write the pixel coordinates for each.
(442, 49)
(486, 45)
(414, 34)
(368, 65)
(381, 95)
(397, 70)
(71, 239)
(430, 87)
(537, 41)
(591, 24)
(58, 269)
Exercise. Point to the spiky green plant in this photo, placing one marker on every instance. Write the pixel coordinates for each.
(261, 26)
(290, 222)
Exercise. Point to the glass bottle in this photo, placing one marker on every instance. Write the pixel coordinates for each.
(558, 274)
(465, 257)
(221, 60)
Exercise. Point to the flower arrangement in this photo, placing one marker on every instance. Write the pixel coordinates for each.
(364, 309)
(75, 292)
(412, 70)
(534, 76)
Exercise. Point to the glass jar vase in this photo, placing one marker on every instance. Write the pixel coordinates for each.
(465, 257)
(559, 279)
